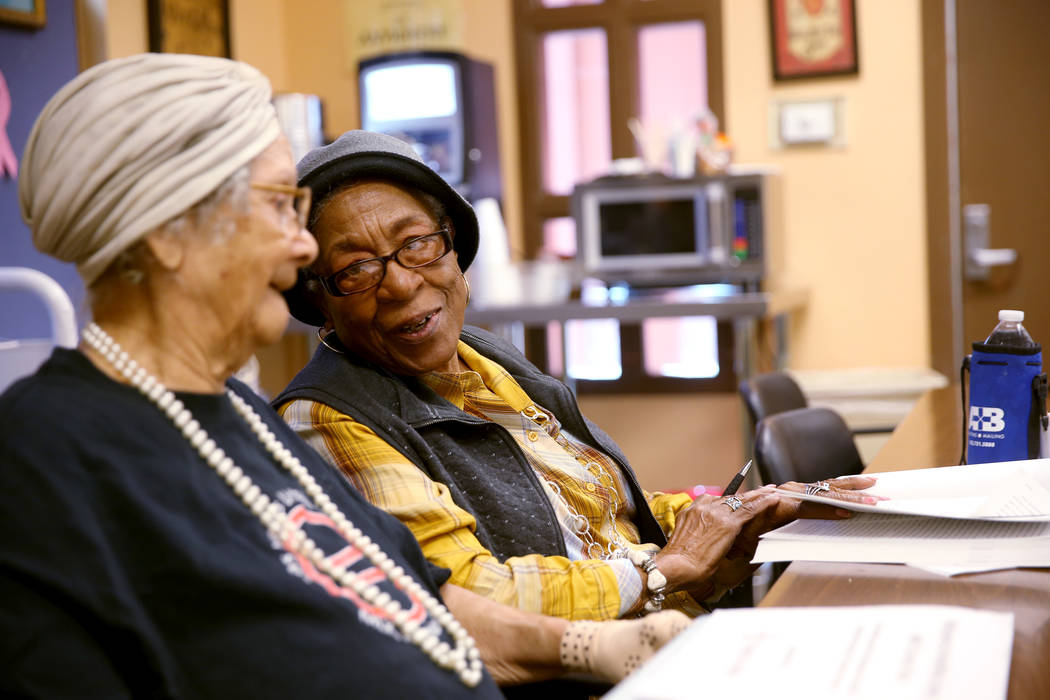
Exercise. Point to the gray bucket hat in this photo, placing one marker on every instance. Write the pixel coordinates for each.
(365, 154)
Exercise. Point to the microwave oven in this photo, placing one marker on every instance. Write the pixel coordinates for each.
(654, 230)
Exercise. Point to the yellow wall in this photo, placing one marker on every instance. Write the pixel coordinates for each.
(127, 31)
(258, 37)
(853, 217)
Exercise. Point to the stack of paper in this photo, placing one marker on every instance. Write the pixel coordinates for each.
(904, 652)
(950, 520)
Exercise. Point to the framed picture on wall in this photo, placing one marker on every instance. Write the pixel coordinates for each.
(28, 13)
(813, 38)
(190, 26)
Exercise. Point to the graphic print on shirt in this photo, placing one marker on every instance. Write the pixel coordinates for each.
(340, 552)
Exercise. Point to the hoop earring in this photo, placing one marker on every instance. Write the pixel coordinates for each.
(324, 341)
(467, 285)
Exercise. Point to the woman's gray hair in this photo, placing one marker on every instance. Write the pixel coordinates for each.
(201, 216)
(131, 264)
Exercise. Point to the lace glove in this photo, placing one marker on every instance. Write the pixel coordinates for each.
(612, 649)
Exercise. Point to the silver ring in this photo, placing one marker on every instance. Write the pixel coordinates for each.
(733, 502)
(819, 487)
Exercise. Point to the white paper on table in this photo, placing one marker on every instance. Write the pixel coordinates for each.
(903, 539)
(1000, 490)
(904, 652)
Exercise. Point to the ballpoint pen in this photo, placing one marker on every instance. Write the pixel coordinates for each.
(734, 484)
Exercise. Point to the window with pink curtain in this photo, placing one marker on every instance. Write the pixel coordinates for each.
(576, 145)
(672, 92)
(577, 148)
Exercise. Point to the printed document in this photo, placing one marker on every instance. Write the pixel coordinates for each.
(947, 520)
(904, 652)
(971, 545)
(999, 490)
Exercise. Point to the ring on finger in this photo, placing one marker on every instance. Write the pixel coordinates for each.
(819, 487)
(733, 502)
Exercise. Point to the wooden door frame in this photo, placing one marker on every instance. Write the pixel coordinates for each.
(943, 207)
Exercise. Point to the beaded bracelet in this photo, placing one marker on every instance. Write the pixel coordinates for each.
(656, 582)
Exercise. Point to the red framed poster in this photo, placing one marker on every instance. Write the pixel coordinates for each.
(813, 38)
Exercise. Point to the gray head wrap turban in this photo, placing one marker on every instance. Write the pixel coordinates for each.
(131, 143)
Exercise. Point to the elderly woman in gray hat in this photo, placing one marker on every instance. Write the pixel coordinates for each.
(487, 460)
(164, 533)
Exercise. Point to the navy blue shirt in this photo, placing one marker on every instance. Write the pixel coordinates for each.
(129, 568)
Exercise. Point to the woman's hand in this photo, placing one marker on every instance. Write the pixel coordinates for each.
(704, 535)
(612, 649)
(844, 488)
(712, 544)
(523, 647)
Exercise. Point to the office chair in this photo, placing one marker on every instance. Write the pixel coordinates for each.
(775, 392)
(805, 445)
(769, 394)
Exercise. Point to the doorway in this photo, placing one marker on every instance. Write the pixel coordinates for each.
(987, 106)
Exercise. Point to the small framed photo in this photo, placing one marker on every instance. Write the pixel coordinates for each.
(190, 26)
(813, 38)
(28, 13)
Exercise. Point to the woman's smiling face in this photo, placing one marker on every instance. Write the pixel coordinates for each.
(410, 322)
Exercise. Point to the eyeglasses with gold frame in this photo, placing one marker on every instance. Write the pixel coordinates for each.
(299, 202)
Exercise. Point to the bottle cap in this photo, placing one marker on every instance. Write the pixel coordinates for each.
(1011, 315)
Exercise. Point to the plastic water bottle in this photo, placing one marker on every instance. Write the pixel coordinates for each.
(1009, 332)
(1007, 411)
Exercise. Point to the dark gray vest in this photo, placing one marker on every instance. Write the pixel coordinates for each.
(478, 460)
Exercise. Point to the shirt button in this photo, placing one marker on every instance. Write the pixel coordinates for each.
(591, 487)
(532, 435)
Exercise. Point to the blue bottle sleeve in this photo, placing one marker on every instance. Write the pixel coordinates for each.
(1001, 411)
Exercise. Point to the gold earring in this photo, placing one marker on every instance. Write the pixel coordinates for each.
(324, 340)
(467, 284)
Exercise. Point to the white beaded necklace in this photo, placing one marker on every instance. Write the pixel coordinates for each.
(464, 659)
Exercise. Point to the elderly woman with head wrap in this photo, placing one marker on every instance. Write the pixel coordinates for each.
(485, 458)
(164, 533)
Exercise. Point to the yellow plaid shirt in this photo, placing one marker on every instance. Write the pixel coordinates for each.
(580, 481)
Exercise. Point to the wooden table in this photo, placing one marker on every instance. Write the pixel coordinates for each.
(931, 436)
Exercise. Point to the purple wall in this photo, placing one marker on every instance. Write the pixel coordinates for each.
(35, 63)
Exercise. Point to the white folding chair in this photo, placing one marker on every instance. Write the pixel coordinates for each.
(21, 357)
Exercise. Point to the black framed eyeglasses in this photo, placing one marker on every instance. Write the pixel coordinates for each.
(365, 274)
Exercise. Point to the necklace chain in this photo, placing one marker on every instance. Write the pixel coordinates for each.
(463, 657)
(578, 523)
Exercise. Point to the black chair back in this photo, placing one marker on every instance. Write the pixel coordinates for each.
(771, 393)
(806, 445)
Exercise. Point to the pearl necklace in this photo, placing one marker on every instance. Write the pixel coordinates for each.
(464, 658)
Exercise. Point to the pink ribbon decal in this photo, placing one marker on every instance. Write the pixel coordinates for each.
(8, 160)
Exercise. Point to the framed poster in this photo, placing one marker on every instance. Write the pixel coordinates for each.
(190, 26)
(813, 38)
(28, 13)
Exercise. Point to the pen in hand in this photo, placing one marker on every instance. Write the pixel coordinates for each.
(734, 484)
